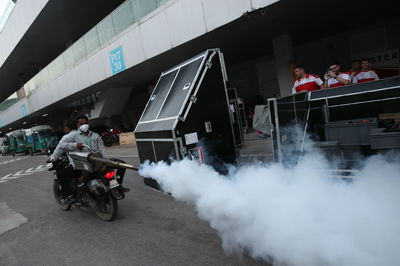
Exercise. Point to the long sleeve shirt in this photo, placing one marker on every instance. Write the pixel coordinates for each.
(69, 143)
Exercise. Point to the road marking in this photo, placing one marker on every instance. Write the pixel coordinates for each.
(9, 219)
(5, 178)
(22, 173)
(10, 161)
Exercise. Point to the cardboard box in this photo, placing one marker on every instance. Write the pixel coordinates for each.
(127, 138)
(395, 116)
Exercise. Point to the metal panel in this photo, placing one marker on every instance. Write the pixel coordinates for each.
(158, 97)
(180, 89)
(365, 96)
(155, 126)
(355, 89)
(203, 99)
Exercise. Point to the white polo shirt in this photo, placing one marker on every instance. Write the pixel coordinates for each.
(334, 83)
(309, 83)
(365, 76)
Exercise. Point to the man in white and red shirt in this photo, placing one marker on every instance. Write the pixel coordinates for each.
(334, 78)
(305, 82)
(366, 74)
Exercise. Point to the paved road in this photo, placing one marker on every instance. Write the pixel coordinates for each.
(151, 228)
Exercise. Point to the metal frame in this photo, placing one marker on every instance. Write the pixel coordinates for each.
(158, 81)
(156, 140)
(154, 151)
(223, 67)
(189, 94)
(177, 68)
(225, 78)
(325, 103)
(197, 86)
(185, 63)
(204, 62)
(350, 94)
(162, 119)
(174, 140)
(175, 144)
(276, 128)
(370, 101)
(305, 130)
(169, 91)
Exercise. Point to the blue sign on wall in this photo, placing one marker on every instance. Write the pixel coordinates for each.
(24, 112)
(117, 60)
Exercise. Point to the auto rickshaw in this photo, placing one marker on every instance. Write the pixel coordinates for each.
(41, 139)
(4, 146)
(17, 141)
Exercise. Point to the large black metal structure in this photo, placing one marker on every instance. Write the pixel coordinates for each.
(341, 118)
(188, 115)
(235, 116)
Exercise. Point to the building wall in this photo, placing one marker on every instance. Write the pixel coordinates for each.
(20, 19)
(316, 56)
(161, 30)
(349, 45)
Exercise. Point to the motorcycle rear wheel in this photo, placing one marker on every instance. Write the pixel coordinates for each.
(108, 208)
(58, 196)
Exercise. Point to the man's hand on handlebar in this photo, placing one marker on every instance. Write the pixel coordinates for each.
(79, 146)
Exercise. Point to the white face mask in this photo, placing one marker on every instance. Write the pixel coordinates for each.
(84, 128)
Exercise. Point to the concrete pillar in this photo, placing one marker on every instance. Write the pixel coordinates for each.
(283, 53)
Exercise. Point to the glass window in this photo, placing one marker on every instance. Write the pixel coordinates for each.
(106, 29)
(161, 2)
(92, 41)
(141, 8)
(37, 81)
(59, 65)
(123, 17)
(79, 49)
(45, 75)
(28, 87)
(69, 58)
(52, 71)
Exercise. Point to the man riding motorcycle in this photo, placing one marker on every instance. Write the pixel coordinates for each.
(77, 140)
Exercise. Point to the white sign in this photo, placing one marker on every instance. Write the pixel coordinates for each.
(191, 138)
(385, 59)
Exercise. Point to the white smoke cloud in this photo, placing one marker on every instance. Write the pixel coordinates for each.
(297, 215)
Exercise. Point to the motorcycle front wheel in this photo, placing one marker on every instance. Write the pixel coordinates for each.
(58, 195)
(107, 208)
